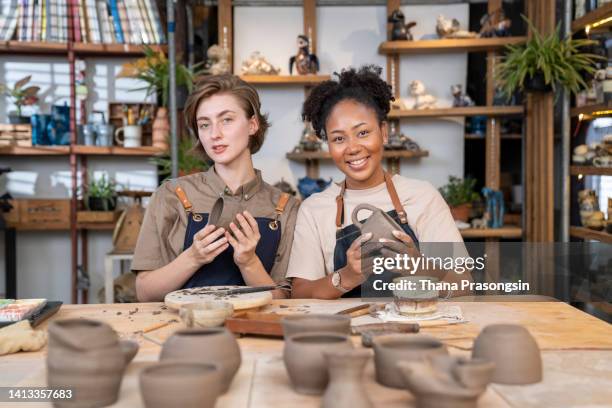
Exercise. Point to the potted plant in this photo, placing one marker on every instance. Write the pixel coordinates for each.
(545, 62)
(21, 96)
(188, 163)
(101, 194)
(459, 194)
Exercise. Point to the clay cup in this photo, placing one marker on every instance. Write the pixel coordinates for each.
(210, 313)
(307, 323)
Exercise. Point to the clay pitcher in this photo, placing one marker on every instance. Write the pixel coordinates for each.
(87, 357)
(224, 211)
(213, 345)
(161, 129)
(380, 224)
(345, 389)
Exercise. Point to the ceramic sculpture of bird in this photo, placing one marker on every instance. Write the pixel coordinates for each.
(305, 62)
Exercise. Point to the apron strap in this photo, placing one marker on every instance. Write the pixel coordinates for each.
(180, 193)
(281, 204)
(397, 205)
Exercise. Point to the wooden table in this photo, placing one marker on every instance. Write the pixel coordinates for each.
(576, 350)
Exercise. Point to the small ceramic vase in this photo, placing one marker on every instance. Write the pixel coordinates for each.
(177, 384)
(214, 345)
(206, 314)
(224, 212)
(306, 323)
(520, 362)
(345, 389)
(87, 357)
(446, 381)
(305, 362)
(161, 129)
(391, 349)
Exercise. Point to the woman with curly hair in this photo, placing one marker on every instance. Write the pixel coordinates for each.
(351, 115)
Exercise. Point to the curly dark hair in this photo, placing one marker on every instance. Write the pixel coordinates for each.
(363, 86)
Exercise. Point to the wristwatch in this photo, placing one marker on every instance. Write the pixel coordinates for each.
(336, 280)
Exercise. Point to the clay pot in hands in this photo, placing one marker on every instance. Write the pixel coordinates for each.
(224, 212)
(446, 381)
(513, 350)
(87, 357)
(305, 361)
(391, 349)
(345, 389)
(307, 323)
(161, 129)
(213, 345)
(178, 384)
(381, 225)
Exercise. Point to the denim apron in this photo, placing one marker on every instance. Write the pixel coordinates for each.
(345, 236)
(223, 270)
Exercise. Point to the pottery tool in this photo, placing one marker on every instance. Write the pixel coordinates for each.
(241, 300)
(156, 326)
(356, 311)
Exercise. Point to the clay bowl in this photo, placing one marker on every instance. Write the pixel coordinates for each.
(393, 348)
(213, 345)
(513, 350)
(210, 313)
(308, 323)
(305, 361)
(185, 385)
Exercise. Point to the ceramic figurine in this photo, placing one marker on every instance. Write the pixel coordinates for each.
(495, 24)
(495, 207)
(422, 100)
(345, 389)
(401, 142)
(305, 61)
(588, 204)
(285, 187)
(257, 64)
(481, 223)
(306, 323)
(217, 60)
(447, 381)
(460, 99)
(309, 142)
(400, 30)
(308, 186)
(450, 28)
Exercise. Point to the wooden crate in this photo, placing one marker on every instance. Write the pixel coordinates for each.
(15, 135)
(115, 113)
(40, 214)
(97, 216)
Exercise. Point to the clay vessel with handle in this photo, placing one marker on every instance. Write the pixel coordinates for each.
(213, 345)
(345, 389)
(224, 212)
(88, 357)
(381, 225)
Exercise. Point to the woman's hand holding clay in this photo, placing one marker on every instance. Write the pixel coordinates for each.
(354, 273)
(207, 244)
(244, 239)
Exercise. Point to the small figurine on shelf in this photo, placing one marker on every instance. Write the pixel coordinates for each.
(450, 28)
(285, 187)
(257, 64)
(308, 186)
(305, 61)
(495, 207)
(481, 223)
(495, 24)
(217, 61)
(400, 30)
(422, 100)
(309, 142)
(460, 99)
(399, 141)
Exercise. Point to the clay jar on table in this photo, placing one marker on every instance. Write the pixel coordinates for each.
(305, 361)
(447, 381)
(178, 384)
(306, 323)
(87, 357)
(213, 345)
(380, 224)
(391, 349)
(513, 350)
(205, 314)
(224, 212)
(345, 389)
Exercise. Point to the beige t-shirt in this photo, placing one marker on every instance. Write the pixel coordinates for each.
(314, 240)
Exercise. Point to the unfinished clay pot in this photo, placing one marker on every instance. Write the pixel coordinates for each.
(306, 323)
(446, 381)
(345, 389)
(305, 362)
(178, 384)
(214, 345)
(393, 348)
(88, 357)
(381, 225)
(209, 313)
(513, 350)
(224, 212)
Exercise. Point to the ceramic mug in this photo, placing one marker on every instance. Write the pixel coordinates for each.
(132, 136)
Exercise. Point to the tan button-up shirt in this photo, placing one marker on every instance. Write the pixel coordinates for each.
(162, 234)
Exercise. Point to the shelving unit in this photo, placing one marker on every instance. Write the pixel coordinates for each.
(590, 171)
(587, 233)
(80, 49)
(490, 111)
(448, 45)
(591, 110)
(598, 18)
(304, 80)
(34, 151)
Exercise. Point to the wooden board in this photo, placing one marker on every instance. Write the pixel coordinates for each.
(448, 45)
(176, 299)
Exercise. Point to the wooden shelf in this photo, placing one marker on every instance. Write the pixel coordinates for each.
(590, 171)
(592, 110)
(508, 136)
(461, 112)
(91, 226)
(600, 13)
(448, 45)
(117, 151)
(285, 79)
(82, 49)
(508, 231)
(587, 233)
(387, 154)
(35, 151)
(96, 226)
(22, 47)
